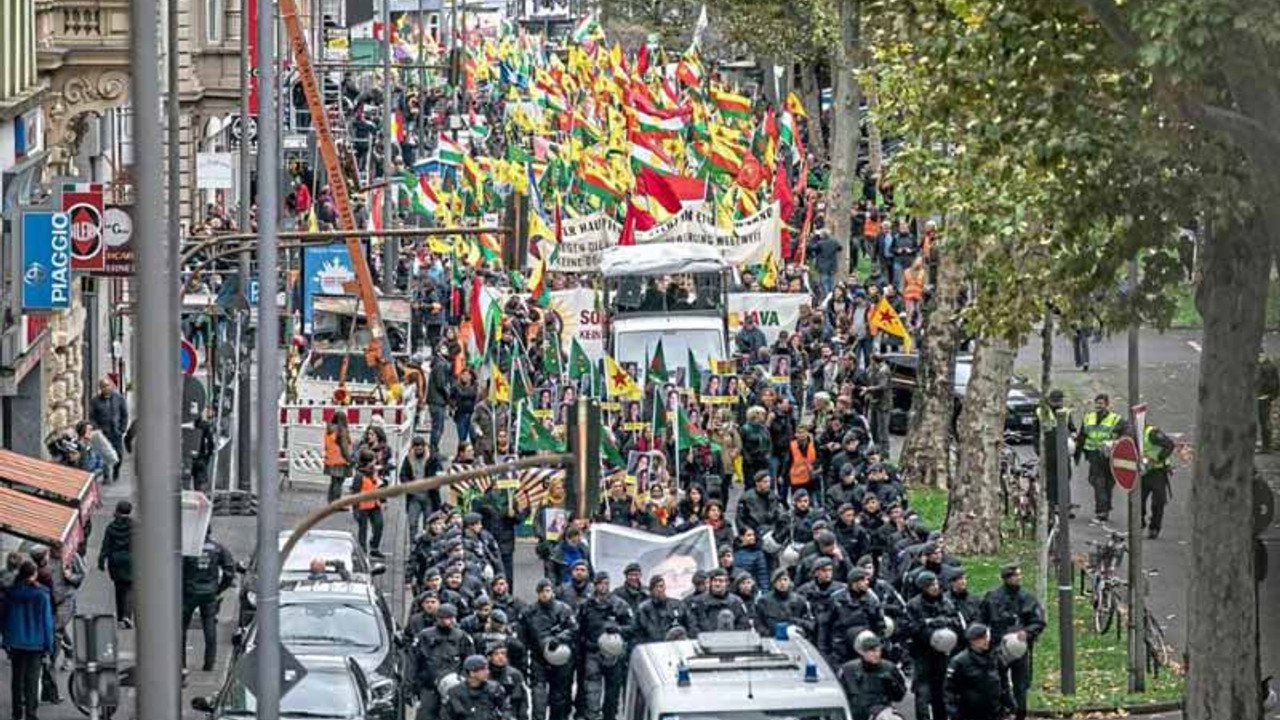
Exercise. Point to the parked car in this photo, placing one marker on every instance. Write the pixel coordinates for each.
(330, 545)
(1021, 402)
(342, 619)
(331, 688)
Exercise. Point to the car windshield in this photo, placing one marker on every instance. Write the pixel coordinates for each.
(796, 714)
(321, 624)
(327, 693)
(326, 547)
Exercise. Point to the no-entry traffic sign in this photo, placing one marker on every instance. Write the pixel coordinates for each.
(1124, 463)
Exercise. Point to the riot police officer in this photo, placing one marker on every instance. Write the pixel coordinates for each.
(932, 628)
(782, 606)
(549, 627)
(856, 610)
(974, 688)
(605, 624)
(968, 606)
(438, 651)
(476, 697)
(820, 593)
(204, 578)
(870, 682)
(632, 591)
(657, 615)
(508, 678)
(1010, 610)
(705, 613)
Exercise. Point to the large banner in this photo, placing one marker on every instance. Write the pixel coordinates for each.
(749, 243)
(773, 312)
(579, 315)
(582, 240)
(325, 270)
(676, 558)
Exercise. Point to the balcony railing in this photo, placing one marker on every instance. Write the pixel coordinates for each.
(80, 23)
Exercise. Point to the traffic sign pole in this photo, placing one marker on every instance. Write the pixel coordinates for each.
(1137, 582)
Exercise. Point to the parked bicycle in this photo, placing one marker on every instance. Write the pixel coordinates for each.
(1106, 586)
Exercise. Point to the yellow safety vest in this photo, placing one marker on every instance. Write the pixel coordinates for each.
(1099, 430)
(1151, 452)
(1048, 419)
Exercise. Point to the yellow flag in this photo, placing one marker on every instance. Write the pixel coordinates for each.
(313, 225)
(500, 387)
(770, 279)
(618, 383)
(885, 318)
(794, 106)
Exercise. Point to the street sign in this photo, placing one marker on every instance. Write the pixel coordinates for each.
(188, 359)
(117, 239)
(1124, 463)
(197, 512)
(82, 202)
(46, 260)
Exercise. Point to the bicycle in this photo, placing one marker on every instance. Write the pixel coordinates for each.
(1160, 654)
(1106, 586)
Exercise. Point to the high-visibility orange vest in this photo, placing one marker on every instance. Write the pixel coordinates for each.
(870, 227)
(333, 456)
(913, 284)
(367, 484)
(802, 463)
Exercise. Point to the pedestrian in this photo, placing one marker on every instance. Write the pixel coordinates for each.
(1268, 390)
(600, 616)
(549, 629)
(337, 453)
(116, 557)
(204, 578)
(932, 626)
(1101, 426)
(436, 652)
(879, 398)
(63, 578)
(1157, 463)
(465, 395)
(871, 683)
(656, 615)
(1080, 346)
(28, 638)
(476, 697)
(1011, 611)
(368, 512)
(974, 686)
(109, 411)
(508, 678)
(419, 505)
(438, 392)
(825, 253)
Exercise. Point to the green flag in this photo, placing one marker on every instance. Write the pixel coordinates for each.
(519, 383)
(658, 365)
(610, 453)
(579, 363)
(551, 355)
(597, 380)
(694, 375)
(688, 435)
(659, 416)
(534, 435)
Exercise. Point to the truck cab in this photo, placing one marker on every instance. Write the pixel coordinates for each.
(734, 675)
(676, 293)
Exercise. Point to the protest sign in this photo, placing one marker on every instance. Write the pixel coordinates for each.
(773, 312)
(582, 240)
(675, 558)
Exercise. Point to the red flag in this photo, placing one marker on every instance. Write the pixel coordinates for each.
(476, 312)
(628, 235)
(642, 60)
(786, 204)
(655, 186)
(688, 189)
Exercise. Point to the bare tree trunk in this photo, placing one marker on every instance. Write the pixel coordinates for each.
(812, 98)
(1223, 680)
(875, 145)
(1042, 498)
(973, 500)
(926, 453)
(845, 129)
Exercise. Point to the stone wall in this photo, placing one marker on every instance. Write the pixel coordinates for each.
(63, 368)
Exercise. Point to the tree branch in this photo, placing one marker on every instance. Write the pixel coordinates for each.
(1109, 16)
(1242, 128)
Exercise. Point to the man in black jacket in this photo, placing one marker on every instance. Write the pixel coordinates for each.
(116, 557)
(109, 411)
(477, 697)
(509, 679)
(705, 611)
(856, 610)
(1009, 609)
(438, 390)
(974, 686)
(757, 507)
(782, 606)
(631, 591)
(927, 614)
(605, 669)
(545, 626)
(870, 682)
(657, 615)
(438, 651)
(204, 579)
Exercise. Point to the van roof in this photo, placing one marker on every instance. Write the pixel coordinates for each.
(728, 668)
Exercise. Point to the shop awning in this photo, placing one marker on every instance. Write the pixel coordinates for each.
(50, 481)
(38, 520)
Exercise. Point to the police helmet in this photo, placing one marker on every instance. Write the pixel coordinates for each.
(790, 556)
(943, 640)
(612, 644)
(1012, 647)
(866, 641)
(769, 544)
(556, 653)
(890, 627)
(447, 682)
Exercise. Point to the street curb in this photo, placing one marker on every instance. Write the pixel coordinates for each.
(1138, 709)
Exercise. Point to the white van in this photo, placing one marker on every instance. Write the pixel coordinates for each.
(732, 676)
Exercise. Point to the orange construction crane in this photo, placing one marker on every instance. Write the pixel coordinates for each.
(379, 351)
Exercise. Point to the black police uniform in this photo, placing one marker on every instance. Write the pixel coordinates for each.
(789, 608)
(974, 688)
(854, 612)
(512, 683)
(436, 653)
(822, 602)
(604, 675)
(486, 701)
(925, 615)
(704, 614)
(871, 686)
(550, 685)
(1007, 610)
(655, 618)
(204, 578)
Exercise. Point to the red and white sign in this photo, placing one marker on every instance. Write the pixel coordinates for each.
(1124, 463)
(82, 202)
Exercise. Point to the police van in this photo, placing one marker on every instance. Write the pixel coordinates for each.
(732, 676)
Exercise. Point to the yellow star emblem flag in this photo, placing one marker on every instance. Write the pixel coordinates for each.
(618, 383)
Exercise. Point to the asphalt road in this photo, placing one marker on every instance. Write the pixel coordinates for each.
(1169, 371)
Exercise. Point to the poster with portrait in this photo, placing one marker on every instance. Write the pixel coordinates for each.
(554, 521)
(544, 401)
(640, 468)
(780, 369)
(676, 558)
(633, 419)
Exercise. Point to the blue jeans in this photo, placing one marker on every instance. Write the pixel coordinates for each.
(462, 420)
(826, 282)
(437, 426)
